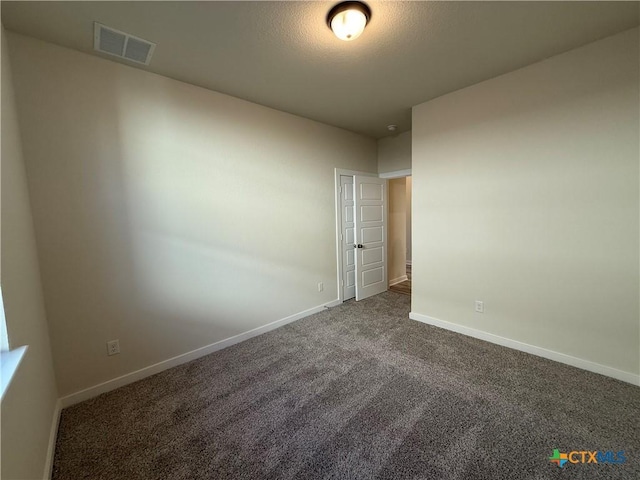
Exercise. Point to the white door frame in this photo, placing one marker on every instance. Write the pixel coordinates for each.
(338, 172)
(396, 174)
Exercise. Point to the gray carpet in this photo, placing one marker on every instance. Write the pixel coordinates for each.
(356, 392)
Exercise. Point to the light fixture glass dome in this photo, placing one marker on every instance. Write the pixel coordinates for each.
(348, 19)
(348, 25)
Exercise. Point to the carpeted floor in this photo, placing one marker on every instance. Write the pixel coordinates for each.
(355, 392)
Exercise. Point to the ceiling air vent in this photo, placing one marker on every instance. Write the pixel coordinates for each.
(119, 44)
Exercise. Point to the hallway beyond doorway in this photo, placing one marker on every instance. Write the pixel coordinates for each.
(399, 235)
(403, 287)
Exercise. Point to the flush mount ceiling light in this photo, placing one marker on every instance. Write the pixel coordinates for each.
(348, 19)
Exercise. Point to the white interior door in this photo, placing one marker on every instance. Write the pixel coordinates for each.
(370, 202)
(347, 237)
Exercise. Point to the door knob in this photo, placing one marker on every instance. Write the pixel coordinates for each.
(359, 245)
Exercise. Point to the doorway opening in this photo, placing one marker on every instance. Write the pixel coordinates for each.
(361, 234)
(399, 235)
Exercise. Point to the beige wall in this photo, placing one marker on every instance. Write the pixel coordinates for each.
(29, 405)
(394, 153)
(168, 216)
(408, 211)
(397, 230)
(526, 197)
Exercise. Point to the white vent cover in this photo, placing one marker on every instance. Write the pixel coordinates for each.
(119, 44)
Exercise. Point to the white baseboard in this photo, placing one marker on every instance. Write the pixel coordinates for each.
(398, 280)
(532, 349)
(145, 372)
(53, 435)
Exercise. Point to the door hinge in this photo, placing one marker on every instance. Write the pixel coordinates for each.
(340, 237)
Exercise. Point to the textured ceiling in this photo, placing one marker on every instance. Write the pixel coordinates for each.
(282, 55)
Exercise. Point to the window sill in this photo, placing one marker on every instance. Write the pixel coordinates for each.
(10, 361)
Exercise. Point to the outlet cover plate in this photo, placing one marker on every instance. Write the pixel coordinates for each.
(113, 347)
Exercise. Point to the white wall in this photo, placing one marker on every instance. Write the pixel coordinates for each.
(526, 197)
(397, 230)
(29, 406)
(394, 153)
(169, 216)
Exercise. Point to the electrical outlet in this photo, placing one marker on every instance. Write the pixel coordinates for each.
(113, 347)
(320, 286)
(479, 306)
